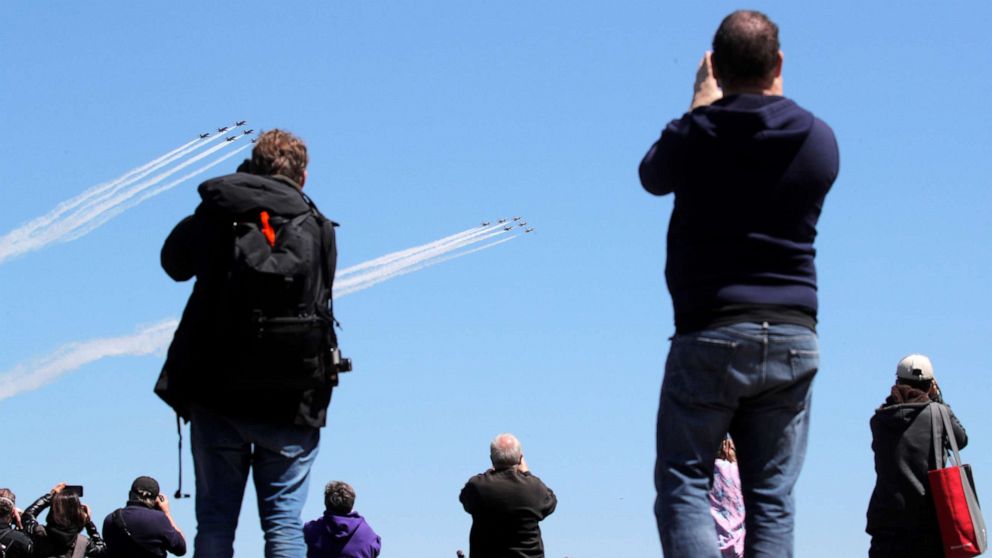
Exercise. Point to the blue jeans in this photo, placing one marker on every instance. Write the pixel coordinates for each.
(280, 456)
(753, 381)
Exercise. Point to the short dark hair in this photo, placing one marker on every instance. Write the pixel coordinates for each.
(339, 497)
(279, 152)
(745, 48)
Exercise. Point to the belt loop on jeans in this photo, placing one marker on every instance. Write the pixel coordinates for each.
(764, 326)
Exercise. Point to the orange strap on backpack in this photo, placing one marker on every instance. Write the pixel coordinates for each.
(267, 230)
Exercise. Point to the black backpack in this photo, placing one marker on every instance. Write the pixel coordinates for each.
(278, 289)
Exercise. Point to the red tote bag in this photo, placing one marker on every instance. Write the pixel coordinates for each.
(962, 528)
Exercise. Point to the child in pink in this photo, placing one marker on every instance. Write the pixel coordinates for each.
(727, 503)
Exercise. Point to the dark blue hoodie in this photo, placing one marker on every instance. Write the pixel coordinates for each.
(341, 536)
(749, 174)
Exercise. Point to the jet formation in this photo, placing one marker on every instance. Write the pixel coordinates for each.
(509, 226)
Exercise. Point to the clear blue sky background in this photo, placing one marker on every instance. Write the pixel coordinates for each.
(424, 118)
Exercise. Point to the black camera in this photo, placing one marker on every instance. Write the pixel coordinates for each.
(338, 362)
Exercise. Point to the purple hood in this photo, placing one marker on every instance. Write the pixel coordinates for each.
(341, 536)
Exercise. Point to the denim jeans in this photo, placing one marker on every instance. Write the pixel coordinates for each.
(751, 380)
(279, 456)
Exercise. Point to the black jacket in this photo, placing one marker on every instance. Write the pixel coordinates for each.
(17, 544)
(205, 364)
(57, 541)
(506, 506)
(903, 446)
(137, 531)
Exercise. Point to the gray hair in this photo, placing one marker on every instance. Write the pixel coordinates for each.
(504, 451)
(339, 497)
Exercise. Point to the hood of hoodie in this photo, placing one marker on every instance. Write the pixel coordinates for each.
(342, 526)
(240, 193)
(753, 117)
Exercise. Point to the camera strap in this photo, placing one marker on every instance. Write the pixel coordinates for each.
(179, 430)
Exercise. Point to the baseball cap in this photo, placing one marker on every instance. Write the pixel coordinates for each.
(915, 367)
(144, 488)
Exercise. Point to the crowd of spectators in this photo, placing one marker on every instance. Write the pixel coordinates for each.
(144, 527)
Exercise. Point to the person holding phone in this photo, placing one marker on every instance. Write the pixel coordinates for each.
(61, 535)
(144, 526)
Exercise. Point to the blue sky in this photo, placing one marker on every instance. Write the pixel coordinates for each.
(422, 120)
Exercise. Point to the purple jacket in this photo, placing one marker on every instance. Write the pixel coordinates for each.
(341, 536)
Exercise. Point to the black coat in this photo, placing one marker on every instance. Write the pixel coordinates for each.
(202, 367)
(903, 446)
(58, 541)
(506, 506)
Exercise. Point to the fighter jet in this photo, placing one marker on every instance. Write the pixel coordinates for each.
(529, 230)
(522, 224)
(508, 228)
(253, 140)
(485, 223)
(231, 138)
(516, 218)
(240, 123)
(246, 132)
(503, 220)
(204, 135)
(222, 129)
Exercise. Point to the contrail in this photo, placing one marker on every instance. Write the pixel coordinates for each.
(394, 256)
(156, 338)
(125, 181)
(128, 204)
(101, 188)
(33, 375)
(32, 237)
(415, 267)
(418, 257)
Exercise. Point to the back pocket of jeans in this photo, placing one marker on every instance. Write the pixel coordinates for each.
(697, 369)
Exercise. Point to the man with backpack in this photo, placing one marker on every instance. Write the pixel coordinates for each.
(255, 357)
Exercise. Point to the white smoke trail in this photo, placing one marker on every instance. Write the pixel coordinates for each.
(33, 375)
(395, 256)
(29, 228)
(23, 240)
(121, 207)
(414, 267)
(422, 255)
(156, 338)
(123, 182)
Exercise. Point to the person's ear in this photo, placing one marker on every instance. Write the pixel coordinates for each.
(303, 179)
(778, 64)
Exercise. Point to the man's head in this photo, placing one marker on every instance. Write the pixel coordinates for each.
(280, 152)
(339, 497)
(8, 494)
(505, 452)
(144, 490)
(746, 51)
(6, 511)
(915, 371)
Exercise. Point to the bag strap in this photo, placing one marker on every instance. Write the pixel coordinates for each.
(945, 415)
(937, 436)
(80, 547)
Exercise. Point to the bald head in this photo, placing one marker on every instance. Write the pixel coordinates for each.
(505, 452)
(746, 50)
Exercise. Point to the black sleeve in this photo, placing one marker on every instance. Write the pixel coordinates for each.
(29, 517)
(96, 546)
(960, 436)
(660, 169)
(468, 497)
(547, 501)
(178, 256)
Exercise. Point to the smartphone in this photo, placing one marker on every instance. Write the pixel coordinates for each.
(76, 489)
